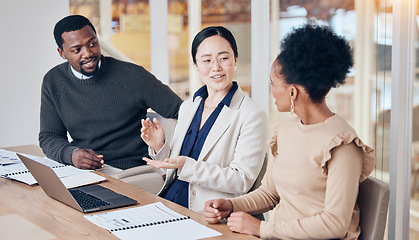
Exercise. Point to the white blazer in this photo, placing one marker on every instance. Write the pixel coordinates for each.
(231, 157)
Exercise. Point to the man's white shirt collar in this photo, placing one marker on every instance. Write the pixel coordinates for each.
(80, 75)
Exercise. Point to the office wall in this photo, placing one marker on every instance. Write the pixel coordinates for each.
(27, 52)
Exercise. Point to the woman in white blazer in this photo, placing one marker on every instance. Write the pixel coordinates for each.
(219, 142)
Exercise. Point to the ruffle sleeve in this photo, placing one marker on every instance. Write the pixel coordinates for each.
(273, 142)
(347, 138)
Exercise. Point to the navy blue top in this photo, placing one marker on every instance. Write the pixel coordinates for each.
(194, 141)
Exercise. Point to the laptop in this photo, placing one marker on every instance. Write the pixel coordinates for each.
(86, 199)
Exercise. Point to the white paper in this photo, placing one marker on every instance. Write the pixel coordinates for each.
(9, 157)
(81, 179)
(180, 230)
(70, 175)
(132, 223)
(23, 177)
(19, 168)
(19, 172)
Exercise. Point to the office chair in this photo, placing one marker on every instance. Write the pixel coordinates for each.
(257, 184)
(262, 172)
(415, 167)
(373, 200)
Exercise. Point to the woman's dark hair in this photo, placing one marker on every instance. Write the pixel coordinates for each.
(209, 32)
(316, 58)
(69, 24)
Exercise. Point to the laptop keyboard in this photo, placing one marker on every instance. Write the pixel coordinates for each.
(87, 201)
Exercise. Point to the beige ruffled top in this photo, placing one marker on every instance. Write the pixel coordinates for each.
(312, 181)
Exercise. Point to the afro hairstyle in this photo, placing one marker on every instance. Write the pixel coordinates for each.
(316, 58)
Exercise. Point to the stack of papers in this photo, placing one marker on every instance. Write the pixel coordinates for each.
(12, 168)
(9, 157)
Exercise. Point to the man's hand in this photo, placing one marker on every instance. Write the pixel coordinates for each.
(242, 222)
(217, 209)
(87, 159)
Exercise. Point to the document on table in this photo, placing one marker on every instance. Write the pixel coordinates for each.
(69, 175)
(9, 157)
(153, 221)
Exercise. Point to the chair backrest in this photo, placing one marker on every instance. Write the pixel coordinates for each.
(257, 184)
(168, 124)
(262, 172)
(373, 199)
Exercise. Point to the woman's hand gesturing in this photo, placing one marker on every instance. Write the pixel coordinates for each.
(152, 134)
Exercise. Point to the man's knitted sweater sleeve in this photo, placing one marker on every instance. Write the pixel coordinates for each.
(53, 132)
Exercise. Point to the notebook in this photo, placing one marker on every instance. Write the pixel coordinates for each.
(69, 175)
(153, 221)
(85, 199)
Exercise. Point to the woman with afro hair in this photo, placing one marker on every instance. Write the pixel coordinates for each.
(312, 182)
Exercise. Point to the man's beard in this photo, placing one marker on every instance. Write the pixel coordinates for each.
(89, 73)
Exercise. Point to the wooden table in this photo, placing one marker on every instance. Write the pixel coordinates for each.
(64, 222)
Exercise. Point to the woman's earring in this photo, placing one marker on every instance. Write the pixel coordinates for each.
(235, 67)
(292, 106)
